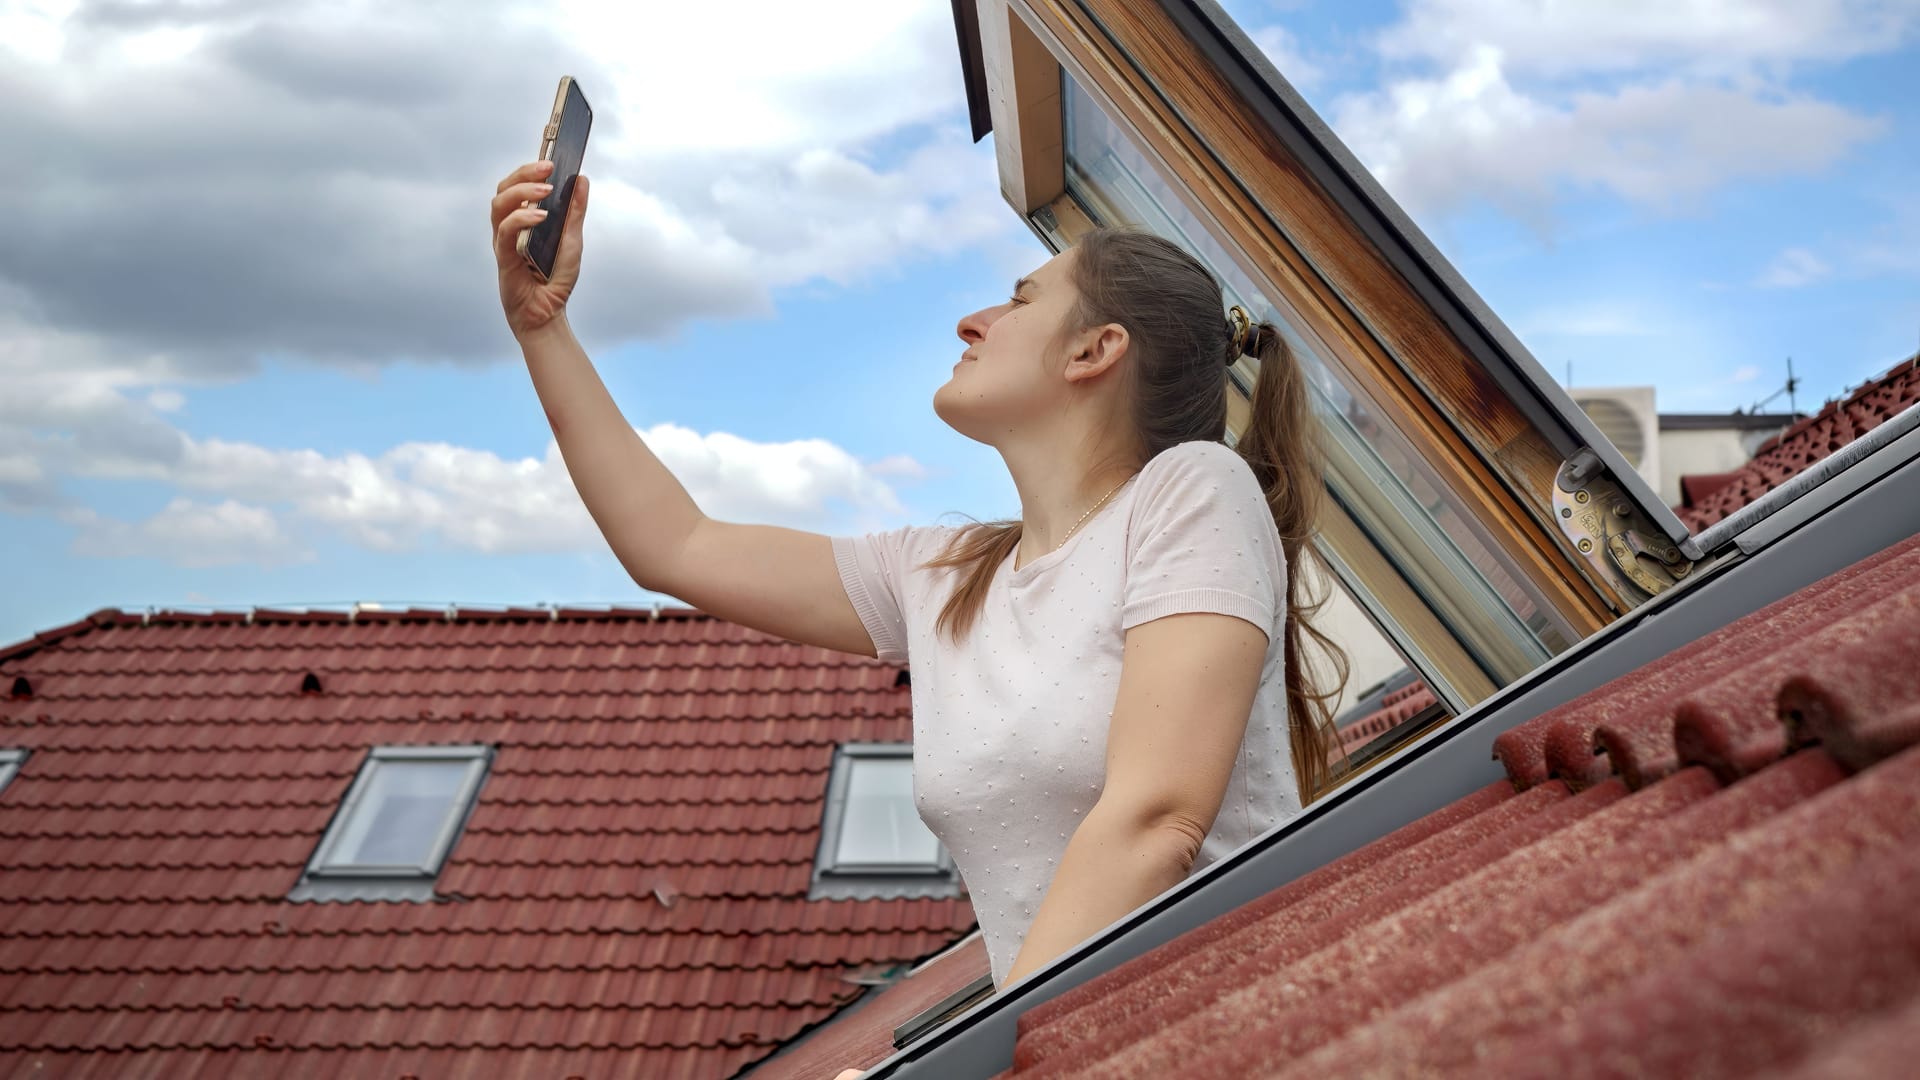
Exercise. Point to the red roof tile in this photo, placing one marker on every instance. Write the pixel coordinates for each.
(863, 1036)
(1711, 497)
(1664, 916)
(628, 897)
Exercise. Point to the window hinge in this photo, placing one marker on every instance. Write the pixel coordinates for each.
(1618, 542)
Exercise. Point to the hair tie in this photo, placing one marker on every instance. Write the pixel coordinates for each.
(1240, 329)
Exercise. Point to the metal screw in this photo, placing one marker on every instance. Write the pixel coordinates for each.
(1621, 510)
(1586, 547)
(1566, 511)
(1579, 496)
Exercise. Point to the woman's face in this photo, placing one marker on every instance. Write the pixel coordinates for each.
(1009, 373)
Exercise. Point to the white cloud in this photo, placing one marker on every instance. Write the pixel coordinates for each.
(1792, 269)
(306, 180)
(1471, 134)
(1708, 37)
(267, 505)
(758, 75)
(187, 533)
(1283, 48)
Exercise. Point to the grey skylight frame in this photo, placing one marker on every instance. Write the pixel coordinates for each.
(10, 762)
(325, 878)
(834, 880)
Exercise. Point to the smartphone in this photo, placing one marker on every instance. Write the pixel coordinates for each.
(563, 142)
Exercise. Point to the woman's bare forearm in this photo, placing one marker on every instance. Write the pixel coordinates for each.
(642, 509)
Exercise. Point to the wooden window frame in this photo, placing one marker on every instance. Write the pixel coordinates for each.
(1497, 457)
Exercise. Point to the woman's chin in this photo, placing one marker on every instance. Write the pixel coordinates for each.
(950, 405)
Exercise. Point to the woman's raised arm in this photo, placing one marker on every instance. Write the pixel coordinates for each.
(781, 581)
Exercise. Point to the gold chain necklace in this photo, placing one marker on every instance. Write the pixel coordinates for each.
(1089, 513)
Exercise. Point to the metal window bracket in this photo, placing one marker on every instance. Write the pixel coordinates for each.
(1620, 545)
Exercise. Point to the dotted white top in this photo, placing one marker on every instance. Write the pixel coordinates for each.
(1010, 727)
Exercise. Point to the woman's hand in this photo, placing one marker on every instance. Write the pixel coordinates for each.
(530, 303)
(849, 1074)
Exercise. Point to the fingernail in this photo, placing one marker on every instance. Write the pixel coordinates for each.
(539, 213)
(544, 187)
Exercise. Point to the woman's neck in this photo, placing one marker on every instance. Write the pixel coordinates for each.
(1057, 494)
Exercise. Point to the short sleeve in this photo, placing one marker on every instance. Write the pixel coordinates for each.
(874, 568)
(1202, 540)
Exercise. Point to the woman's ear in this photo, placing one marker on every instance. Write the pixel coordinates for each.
(1094, 351)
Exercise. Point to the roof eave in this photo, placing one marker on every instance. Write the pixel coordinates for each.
(973, 71)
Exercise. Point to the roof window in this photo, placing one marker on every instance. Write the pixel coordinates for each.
(10, 762)
(397, 824)
(872, 841)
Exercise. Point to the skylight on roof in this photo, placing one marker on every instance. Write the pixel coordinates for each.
(872, 841)
(10, 762)
(397, 823)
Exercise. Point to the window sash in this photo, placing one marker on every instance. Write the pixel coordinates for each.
(330, 860)
(1450, 599)
(10, 762)
(841, 801)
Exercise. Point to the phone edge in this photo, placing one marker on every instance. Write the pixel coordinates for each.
(549, 134)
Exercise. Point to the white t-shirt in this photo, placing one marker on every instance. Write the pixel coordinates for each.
(1010, 726)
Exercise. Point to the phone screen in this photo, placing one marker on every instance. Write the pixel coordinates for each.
(569, 147)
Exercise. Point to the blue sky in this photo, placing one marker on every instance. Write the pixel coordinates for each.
(268, 369)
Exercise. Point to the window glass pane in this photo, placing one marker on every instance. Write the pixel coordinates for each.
(10, 764)
(881, 825)
(1397, 503)
(401, 813)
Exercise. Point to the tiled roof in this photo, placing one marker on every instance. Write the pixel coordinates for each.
(1709, 867)
(1710, 498)
(862, 1036)
(1395, 708)
(628, 898)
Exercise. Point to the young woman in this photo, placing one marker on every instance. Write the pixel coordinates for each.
(1108, 693)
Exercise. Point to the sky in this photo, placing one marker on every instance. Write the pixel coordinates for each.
(250, 346)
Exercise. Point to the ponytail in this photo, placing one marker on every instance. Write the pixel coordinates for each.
(1280, 445)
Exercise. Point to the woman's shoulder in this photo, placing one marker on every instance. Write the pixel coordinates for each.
(911, 547)
(1208, 464)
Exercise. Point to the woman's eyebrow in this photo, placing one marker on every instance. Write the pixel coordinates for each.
(1026, 285)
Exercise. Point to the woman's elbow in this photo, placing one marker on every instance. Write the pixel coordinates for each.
(1179, 836)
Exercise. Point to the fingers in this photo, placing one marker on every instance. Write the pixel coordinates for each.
(512, 197)
(532, 170)
(506, 235)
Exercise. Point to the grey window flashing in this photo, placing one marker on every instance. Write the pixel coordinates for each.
(10, 762)
(945, 1009)
(1804, 496)
(329, 878)
(1442, 766)
(833, 880)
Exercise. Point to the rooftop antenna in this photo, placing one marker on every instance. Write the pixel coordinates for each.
(1793, 384)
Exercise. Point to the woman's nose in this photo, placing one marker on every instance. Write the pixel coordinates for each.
(974, 327)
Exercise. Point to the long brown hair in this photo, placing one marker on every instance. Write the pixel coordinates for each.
(1180, 340)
